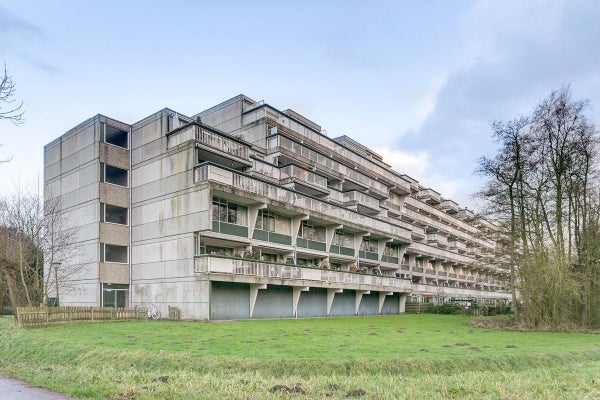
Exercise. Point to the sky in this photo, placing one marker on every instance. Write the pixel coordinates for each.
(419, 82)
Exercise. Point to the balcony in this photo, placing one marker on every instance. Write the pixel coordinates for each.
(344, 251)
(329, 211)
(436, 238)
(393, 208)
(211, 146)
(467, 232)
(430, 196)
(466, 215)
(352, 178)
(450, 207)
(303, 181)
(291, 274)
(311, 244)
(457, 245)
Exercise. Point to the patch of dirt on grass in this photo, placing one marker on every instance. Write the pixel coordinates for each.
(511, 346)
(356, 393)
(446, 346)
(163, 379)
(424, 350)
(462, 344)
(473, 348)
(287, 389)
(372, 334)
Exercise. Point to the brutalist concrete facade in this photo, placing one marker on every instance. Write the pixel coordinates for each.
(246, 211)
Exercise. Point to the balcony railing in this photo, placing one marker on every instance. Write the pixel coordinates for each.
(443, 226)
(327, 162)
(295, 172)
(255, 186)
(219, 142)
(208, 138)
(336, 148)
(238, 266)
(361, 198)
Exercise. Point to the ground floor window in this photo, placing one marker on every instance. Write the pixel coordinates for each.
(114, 295)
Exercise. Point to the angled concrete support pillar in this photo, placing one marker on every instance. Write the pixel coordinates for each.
(359, 295)
(252, 215)
(381, 247)
(329, 232)
(296, 297)
(382, 299)
(402, 306)
(295, 226)
(254, 288)
(330, 295)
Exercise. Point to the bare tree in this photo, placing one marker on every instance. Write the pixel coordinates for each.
(540, 188)
(34, 240)
(8, 111)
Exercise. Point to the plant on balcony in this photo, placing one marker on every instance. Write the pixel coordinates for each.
(251, 255)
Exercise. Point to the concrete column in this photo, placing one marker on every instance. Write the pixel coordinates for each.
(402, 306)
(381, 247)
(329, 233)
(401, 250)
(254, 288)
(382, 299)
(296, 297)
(358, 237)
(330, 296)
(252, 215)
(295, 226)
(359, 295)
(412, 261)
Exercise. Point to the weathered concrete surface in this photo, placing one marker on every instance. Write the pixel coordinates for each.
(11, 389)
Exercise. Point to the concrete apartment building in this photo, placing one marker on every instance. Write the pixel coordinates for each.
(246, 211)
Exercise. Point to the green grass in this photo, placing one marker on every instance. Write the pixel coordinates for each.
(407, 356)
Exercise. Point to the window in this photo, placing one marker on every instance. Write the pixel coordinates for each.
(114, 136)
(390, 250)
(368, 245)
(344, 239)
(309, 231)
(271, 222)
(113, 214)
(225, 211)
(115, 295)
(113, 253)
(114, 175)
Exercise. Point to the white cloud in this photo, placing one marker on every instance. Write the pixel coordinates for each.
(411, 164)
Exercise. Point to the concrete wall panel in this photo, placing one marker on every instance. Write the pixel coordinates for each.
(274, 302)
(343, 304)
(114, 194)
(229, 301)
(369, 304)
(114, 155)
(114, 273)
(313, 303)
(114, 234)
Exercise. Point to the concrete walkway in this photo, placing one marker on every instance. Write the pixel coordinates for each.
(11, 389)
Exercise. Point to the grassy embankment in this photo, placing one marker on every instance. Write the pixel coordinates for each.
(392, 357)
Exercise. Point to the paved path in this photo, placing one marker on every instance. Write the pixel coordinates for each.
(11, 389)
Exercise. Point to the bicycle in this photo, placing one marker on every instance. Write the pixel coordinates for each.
(153, 313)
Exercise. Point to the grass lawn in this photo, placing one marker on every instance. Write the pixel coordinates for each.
(387, 357)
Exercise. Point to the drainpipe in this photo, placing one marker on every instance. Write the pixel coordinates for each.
(129, 217)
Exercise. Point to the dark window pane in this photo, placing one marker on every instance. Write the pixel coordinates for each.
(115, 214)
(116, 136)
(116, 176)
(113, 253)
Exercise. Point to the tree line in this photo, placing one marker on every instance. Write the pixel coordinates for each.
(542, 188)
